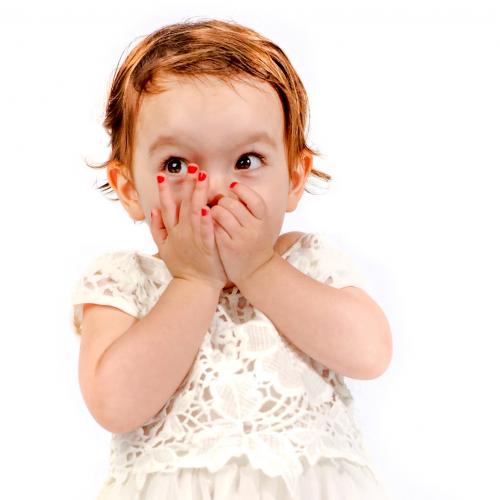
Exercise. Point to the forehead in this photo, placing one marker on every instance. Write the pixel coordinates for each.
(211, 104)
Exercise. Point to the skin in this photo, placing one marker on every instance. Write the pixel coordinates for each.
(210, 121)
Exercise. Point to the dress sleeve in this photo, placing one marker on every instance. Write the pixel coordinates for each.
(333, 266)
(113, 279)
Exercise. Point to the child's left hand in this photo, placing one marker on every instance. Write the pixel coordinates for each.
(242, 232)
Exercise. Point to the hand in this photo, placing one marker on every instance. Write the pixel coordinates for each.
(242, 232)
(187, 245)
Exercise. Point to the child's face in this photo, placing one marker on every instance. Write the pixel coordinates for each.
(212, 125)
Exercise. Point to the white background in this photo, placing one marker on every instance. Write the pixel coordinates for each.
(404, 99)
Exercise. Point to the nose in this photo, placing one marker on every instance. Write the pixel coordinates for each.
(218, 186)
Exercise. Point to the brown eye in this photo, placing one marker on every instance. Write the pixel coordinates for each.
(172, 165)
(247, 163)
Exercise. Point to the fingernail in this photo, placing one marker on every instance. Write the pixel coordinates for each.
(204, 211)
(160, 178)
(202, 176)
(192, 168)
(233, 184)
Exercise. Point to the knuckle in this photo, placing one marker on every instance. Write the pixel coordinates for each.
(225, 201)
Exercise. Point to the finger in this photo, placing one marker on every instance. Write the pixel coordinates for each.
(236, 208)
(188, 186)
(225, 222)
(251, 199)
(167, 203)
(207, 229)
(198, 199)
(220, 232)
(158, 230)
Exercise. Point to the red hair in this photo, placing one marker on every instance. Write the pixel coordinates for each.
(192, 49)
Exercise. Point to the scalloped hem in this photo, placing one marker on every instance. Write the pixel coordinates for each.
(328, 479)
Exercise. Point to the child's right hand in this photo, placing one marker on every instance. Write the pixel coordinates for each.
(187, 246)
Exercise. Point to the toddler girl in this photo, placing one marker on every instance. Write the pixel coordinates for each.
(217, 364)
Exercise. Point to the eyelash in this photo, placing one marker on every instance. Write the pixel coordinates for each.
(251, 153)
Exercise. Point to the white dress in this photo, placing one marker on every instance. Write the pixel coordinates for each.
(255, 418)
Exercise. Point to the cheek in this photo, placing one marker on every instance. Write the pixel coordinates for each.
(271, 195)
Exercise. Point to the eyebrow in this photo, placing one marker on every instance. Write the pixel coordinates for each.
(166, 140)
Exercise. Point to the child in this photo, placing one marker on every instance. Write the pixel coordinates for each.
(218, 363)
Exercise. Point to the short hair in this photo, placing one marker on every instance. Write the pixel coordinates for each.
(192, 49)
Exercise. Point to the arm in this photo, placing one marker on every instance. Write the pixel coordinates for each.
(143, 367)
(344, 329)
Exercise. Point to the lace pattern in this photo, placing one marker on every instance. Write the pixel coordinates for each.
(130, 281)
(249, 390)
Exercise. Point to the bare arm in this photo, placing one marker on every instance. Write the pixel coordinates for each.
(344, 329)
(143, 367)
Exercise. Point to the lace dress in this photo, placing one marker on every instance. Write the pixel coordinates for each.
(255, 418)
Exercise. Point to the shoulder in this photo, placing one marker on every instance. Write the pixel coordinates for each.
(318, 256)
(287, 240)
(109, 273)
(126, 265)
(127, 279)
(293, 236)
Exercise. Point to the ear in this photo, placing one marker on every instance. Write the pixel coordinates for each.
(298, 180)
(121, 181)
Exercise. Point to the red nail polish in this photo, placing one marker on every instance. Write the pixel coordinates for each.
(160, 178)
(204, 211)
(192, 168)
(202, 176)
(233, 184)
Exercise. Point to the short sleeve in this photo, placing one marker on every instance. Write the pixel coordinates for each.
(332, 266)
(114, 279)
